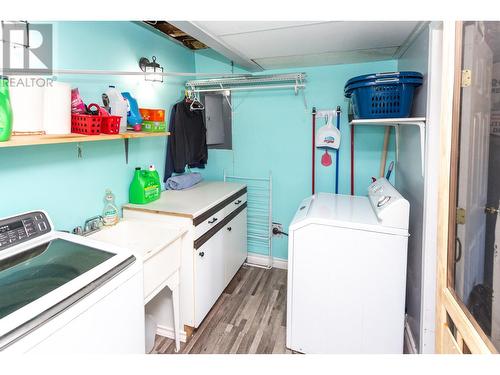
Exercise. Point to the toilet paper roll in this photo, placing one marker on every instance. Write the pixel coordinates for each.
(57, 108)
(27, 105)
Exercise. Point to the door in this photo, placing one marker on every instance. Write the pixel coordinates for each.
(464, 282)
(235, 245)
(473, 159)
(209, 275)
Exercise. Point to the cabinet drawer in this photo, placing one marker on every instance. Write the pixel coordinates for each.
(235, 203)
(206, 221)
(209, 223)
(159, 267)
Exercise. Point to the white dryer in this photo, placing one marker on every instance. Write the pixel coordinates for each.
(347, 272)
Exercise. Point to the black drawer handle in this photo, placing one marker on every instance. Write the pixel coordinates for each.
(212, 221)
(201, 254)
(237, 202)
(229, 229)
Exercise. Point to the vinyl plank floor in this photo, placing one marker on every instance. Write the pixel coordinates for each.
(249, 317)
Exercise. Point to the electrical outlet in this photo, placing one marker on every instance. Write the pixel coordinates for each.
(279, 228)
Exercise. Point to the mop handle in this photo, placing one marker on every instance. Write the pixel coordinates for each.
(337, 155)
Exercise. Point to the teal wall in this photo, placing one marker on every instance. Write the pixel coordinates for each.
(52, 177)
(272, 132)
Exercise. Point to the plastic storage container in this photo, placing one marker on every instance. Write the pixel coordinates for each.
(156, 115)
(95, 124)
(382, 95)
(154, 127)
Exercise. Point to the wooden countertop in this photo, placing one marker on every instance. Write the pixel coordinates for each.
(191, 202)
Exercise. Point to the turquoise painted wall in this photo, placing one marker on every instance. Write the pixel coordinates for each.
(52, 177)
(272, 132)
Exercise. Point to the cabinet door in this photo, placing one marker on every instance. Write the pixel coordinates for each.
(235, 245)
(208, 275)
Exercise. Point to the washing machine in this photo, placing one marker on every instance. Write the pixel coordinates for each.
(66, 294)
(347, 260)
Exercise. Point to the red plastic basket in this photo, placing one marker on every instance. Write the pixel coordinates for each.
(95, 124)
(110, 124)
(86, 124)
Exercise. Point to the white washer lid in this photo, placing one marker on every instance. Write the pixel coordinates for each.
(345, 211)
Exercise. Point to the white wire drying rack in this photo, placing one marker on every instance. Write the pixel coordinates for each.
(259, 219)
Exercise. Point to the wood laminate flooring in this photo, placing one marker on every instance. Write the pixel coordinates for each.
(249, 317)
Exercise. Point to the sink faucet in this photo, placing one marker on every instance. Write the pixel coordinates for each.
(91, 225)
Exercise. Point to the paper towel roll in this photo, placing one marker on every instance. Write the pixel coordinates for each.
(57, 108)
(27, 105)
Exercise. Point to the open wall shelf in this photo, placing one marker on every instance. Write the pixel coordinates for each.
(396, 123)
(36, 140)
(33, 140)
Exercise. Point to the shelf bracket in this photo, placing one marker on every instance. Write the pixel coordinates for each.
(421, 129)
(125, 143)
(396, 123)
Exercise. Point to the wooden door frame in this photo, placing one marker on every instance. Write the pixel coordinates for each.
(456, 330)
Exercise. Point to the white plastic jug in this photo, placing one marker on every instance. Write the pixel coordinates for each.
(118, 106)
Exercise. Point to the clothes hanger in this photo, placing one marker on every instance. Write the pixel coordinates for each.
(196, 101)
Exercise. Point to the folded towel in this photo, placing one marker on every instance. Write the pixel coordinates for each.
(183, 181)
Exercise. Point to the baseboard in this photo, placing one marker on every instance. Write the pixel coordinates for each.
(262, 260)
(169, 333)
(409, 340)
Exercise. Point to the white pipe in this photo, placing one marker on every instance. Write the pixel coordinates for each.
(124, 73)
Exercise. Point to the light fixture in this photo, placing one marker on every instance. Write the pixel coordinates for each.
(152, 68)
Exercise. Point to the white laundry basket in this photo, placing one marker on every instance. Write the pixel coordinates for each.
(151, 326)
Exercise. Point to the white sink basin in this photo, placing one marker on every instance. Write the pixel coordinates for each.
(143, 238)
(157, 244)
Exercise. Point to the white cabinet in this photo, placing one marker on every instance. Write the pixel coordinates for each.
(211, 253)
(235, 245)
(209, 274)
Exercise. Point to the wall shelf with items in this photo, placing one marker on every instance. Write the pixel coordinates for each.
(35, 140)
(396, 123)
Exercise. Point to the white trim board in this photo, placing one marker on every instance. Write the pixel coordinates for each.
(262, 260)
(169, 333)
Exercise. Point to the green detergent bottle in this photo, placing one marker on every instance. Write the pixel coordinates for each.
(145, 186)
(5, 110)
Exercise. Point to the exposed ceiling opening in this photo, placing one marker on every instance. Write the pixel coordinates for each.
(177, 34)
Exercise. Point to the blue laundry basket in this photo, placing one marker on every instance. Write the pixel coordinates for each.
(382, 95)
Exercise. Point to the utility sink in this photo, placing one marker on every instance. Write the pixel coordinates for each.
(157, 244)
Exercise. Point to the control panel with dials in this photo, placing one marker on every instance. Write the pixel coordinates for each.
(21, 228)
(388, 204)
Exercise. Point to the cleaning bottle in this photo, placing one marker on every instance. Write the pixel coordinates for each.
(134, 117)
(154, 174)
(110, 212)
(5, 110)
(145, 186)
(117, 106)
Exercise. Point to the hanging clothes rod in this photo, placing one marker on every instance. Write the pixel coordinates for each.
(247, 88)
(294, 81)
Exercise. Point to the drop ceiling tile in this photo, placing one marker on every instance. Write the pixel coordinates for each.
(329, 58)
(219, 28)
(320, 38)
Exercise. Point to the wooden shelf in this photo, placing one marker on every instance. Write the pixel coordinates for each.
(33, 140)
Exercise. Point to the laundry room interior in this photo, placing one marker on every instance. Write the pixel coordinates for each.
(226, 187)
